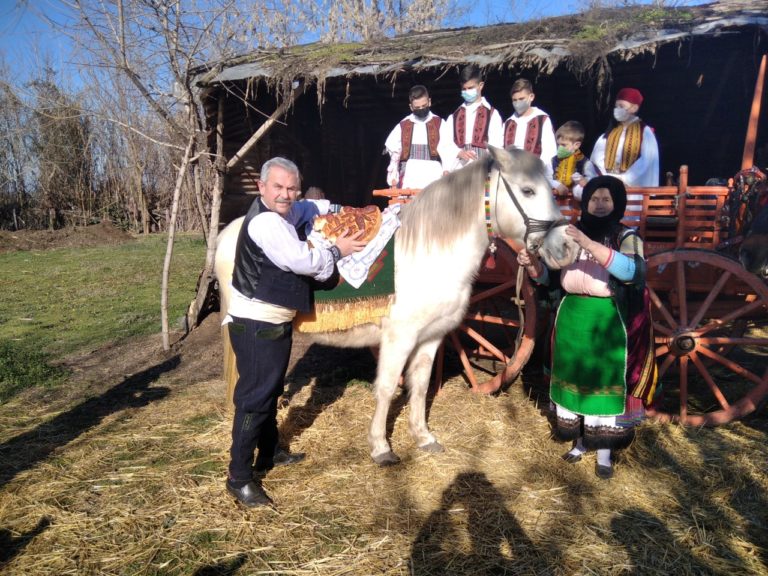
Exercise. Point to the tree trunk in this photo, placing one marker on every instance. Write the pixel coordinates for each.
(206, 277)
(200, 205)
(169, 247)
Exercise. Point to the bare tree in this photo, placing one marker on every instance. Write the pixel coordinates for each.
(155, 44)
(63, 153)
(16, 167)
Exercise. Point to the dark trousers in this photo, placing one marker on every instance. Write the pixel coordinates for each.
(262, 351)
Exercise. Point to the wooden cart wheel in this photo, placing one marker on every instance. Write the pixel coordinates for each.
(491, 327)
(701, 303)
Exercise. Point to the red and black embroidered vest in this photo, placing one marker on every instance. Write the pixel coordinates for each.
(479, 130)
(433, 137)
(533, 132)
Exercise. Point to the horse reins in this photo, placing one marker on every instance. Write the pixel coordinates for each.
(532, 225)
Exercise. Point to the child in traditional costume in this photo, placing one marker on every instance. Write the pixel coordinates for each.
(603, 368)
(529, 128)
(628, 149)
(466, 134)
(569, 170)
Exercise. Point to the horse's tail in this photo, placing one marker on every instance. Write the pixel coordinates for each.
(363, 336)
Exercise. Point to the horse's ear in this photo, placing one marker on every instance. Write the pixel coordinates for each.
(501, 158)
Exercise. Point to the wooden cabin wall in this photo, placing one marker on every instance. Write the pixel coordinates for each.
(697, 98)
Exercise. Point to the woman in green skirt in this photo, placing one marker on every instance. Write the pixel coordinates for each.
(602, 349)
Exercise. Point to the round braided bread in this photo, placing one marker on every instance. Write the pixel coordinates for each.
(350, 221)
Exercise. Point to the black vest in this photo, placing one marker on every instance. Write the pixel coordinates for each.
(256, 276)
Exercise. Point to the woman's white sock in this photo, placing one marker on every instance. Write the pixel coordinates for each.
(578, 448)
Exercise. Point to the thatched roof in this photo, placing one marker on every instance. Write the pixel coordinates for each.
(581, 42)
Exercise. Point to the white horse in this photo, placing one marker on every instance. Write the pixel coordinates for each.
(438, 251)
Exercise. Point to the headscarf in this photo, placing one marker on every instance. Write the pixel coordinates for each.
(599, 227)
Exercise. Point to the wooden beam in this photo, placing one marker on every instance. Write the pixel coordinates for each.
(748, 159)
(264, 128)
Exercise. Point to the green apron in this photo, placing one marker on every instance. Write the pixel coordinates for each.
(589, 359)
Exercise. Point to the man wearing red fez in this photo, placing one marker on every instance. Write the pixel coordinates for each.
(628, 148)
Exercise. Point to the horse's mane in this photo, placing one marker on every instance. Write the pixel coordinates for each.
(446, 209)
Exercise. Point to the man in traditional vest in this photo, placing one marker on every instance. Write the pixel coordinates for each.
(529, 128)
(270, 282)
(474, 125)
(412, 144)
(628, 149)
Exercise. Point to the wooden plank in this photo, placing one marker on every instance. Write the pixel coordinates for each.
(748, 158)
(264, 128)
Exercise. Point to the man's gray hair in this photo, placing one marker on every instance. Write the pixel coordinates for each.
(283, 163)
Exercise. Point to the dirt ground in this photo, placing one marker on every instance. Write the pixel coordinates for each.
(74, 237)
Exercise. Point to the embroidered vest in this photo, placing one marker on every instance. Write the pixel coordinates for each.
(256, 276)
(633, 142)
(433, 137)
(479, 130)
(533, 132)
(565, 167)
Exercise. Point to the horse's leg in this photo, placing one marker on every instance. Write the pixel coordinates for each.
(393, 354)
(419, 371)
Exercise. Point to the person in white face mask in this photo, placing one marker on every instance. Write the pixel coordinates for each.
(529, 128)
(413, 144)
(466, 133)
(628, 149)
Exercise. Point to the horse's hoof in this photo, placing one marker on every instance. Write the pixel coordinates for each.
(386, 459)
(433, 447)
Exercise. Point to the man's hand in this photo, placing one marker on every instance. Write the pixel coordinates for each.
(561, 190)
(350, 244)
(467, 155)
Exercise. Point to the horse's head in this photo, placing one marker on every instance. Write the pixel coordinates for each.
(523, 207)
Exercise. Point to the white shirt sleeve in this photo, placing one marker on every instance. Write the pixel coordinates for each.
(548, 142)
(394, 146)
(496, 130)
(589, 170)
(550, 170)
(277, 237)
(447, 147)
(598, 155)
(645, 170)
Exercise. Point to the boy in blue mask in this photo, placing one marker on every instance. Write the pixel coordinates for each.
(569, 170)
(529, 128)
(466, 133)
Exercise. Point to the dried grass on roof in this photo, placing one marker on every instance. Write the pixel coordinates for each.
(581, 42)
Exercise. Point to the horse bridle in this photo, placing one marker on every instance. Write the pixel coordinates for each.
(532, 225)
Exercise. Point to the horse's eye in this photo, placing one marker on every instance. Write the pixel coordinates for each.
(528, 192)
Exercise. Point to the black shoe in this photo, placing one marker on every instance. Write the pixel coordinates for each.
(281, 458)
(571, 458)
(604, 472)
(250, 495)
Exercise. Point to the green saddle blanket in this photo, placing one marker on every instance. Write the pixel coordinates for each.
(345, 306)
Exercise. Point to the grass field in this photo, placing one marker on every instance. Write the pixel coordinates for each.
(55, 302)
